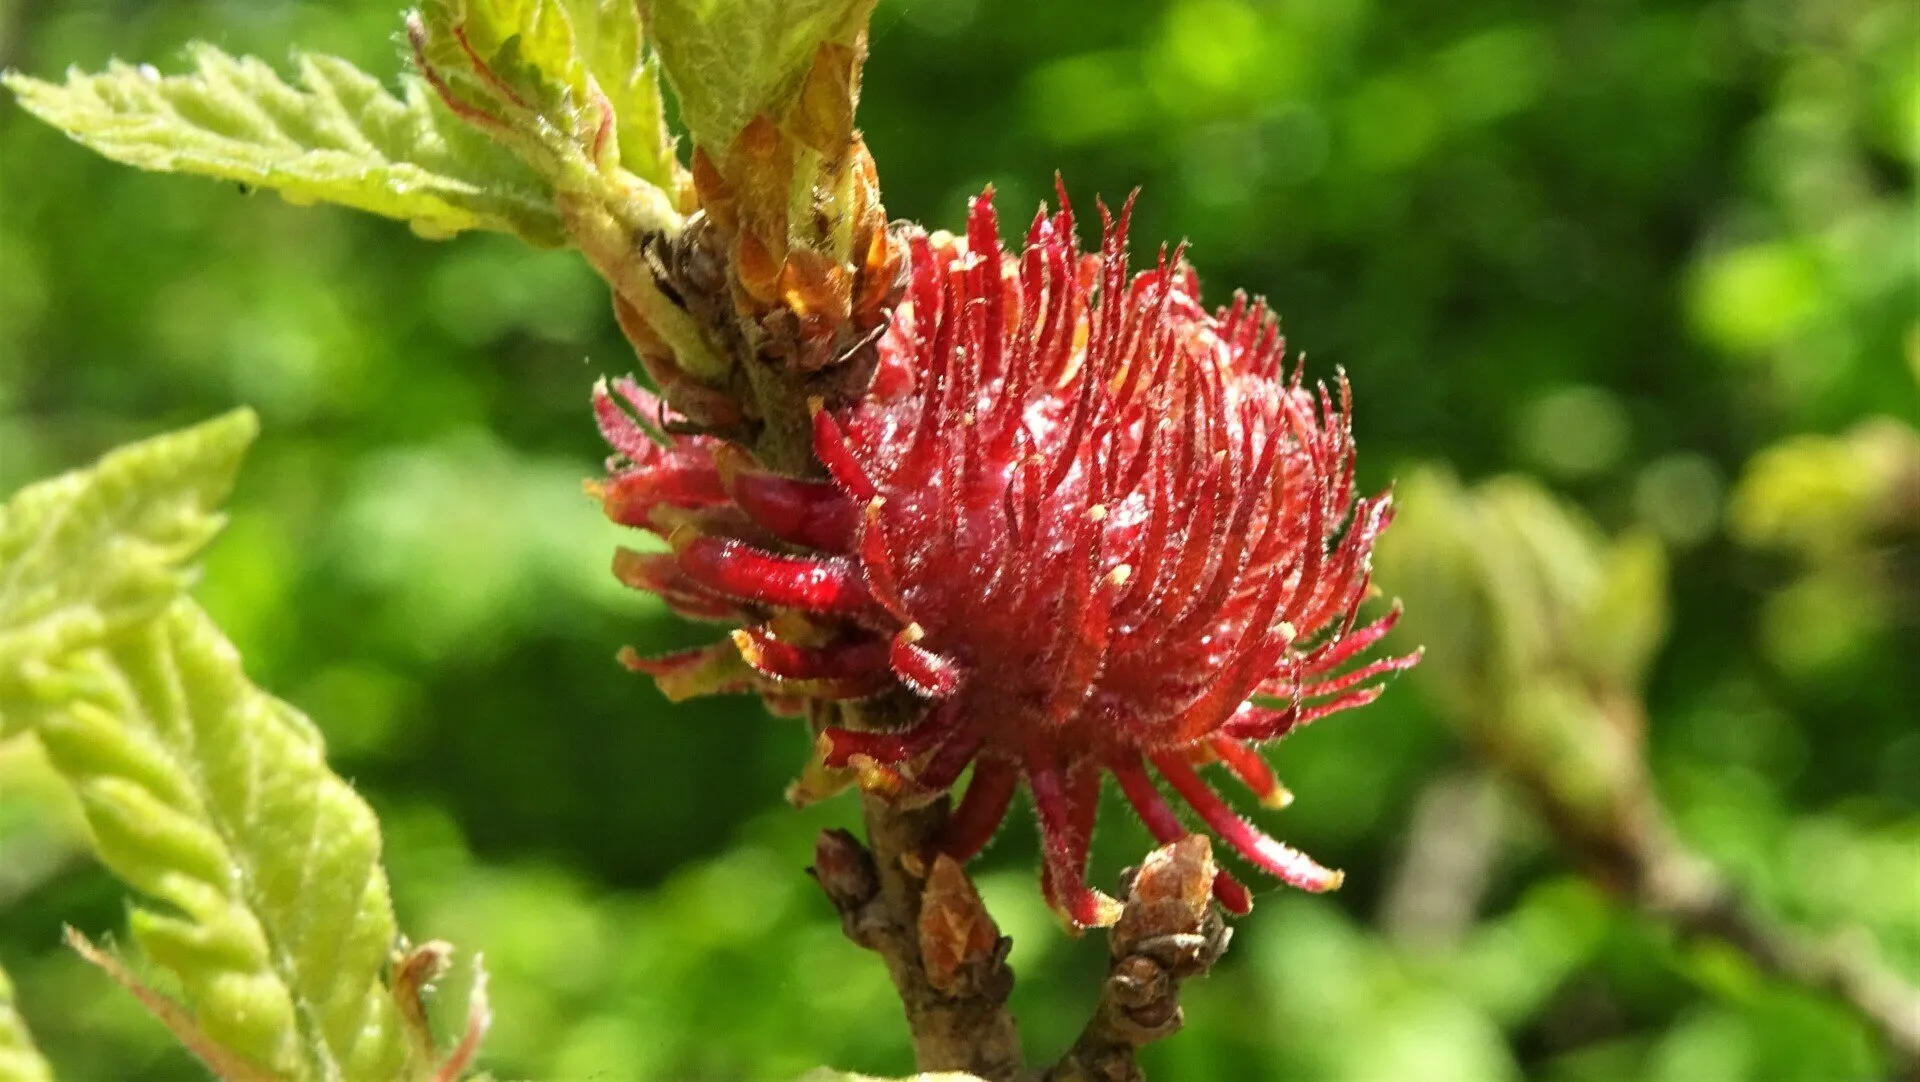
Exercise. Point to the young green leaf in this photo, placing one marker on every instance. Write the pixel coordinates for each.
(98, 550)
(1620, 630)
(517, 52)
(212, 798)
(615, 51)
(19, 1060)
(337, 137)
(430, 965)
(568, 84)
(828, 1074)
(729, 60)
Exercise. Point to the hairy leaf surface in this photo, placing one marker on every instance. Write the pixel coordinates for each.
(98, 550)
(527, 47)
(567, 61)
(267, 901)
(338, 136)
(628, 72)
(731, 59)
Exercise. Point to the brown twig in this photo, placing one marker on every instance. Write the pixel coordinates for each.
(1169, 932)
(927, 923)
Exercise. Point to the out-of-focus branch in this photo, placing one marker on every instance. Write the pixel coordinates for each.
(1451, 848)
(926, 921)
(1630, 847)
(1682, 888)
(1635, 851)
(1169, 932)
(1544, 632)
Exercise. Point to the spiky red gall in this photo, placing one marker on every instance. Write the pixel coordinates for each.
(1094, 527)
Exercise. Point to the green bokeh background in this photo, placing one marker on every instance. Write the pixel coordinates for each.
(1621, 245)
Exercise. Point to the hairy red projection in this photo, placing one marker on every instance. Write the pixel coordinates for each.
(1096, 528)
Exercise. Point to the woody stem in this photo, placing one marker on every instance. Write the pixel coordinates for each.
(957, 1012)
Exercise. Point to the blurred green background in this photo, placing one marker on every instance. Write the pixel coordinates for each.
(1660, 256)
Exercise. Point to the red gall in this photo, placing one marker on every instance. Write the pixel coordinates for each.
(1091, 526)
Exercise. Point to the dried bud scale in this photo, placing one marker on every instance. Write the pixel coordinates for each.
(1093, 527)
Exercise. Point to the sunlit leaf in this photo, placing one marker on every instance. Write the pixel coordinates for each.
(613, 45)
(98, 550)
(265, 898)
(520, 50)
(335, 136)
(568, 87)
(731, 59)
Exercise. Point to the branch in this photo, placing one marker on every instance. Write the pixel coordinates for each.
(1453, 844)
(1170, 932)
(946, 957)
(1671, 882)
(948, 960)
(1544, 631)
(1633, 849)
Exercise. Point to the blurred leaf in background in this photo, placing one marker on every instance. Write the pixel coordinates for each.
(1848, 508)
(20, 1061)
(1621, 249)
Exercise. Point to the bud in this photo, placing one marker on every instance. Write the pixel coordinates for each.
(959, 943)
(789, 198)
(844, 869)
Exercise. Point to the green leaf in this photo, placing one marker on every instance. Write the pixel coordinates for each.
(526, 46)
(336, 137)
(731, 59)
(213, 799)
(19, 1060)
(98, 550)
(226, 1064)
(1508, 585)
(828, 1074)
(1626, 618)
(568, 86)
(1826, 495)
(1429, 561)
(614, 48)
